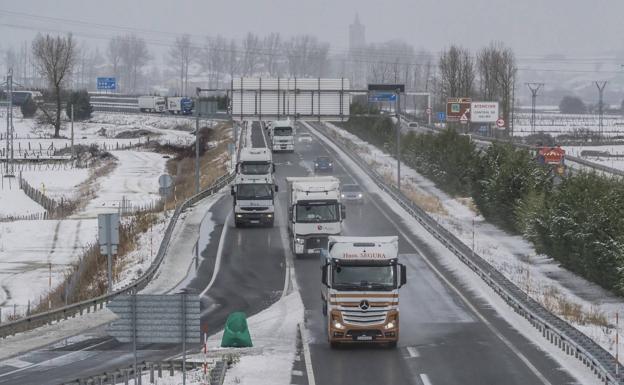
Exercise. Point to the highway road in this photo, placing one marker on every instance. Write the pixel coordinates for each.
(448, 335)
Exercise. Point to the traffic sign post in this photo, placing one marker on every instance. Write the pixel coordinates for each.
(105, 83)
(441, 116)
(483, 112)
(382, 97)
(108, 237)
(500, 123)
(458, 110)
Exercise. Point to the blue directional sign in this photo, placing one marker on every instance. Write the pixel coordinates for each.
(382, 97)
(106, 83)
(441, 116)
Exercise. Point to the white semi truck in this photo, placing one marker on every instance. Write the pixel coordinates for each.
(282, 135)
(152, 104)
(315, 212)
(361, 277)
(255, 161)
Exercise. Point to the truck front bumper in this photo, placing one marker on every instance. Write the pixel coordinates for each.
(283, 147)
(387, 332)
(254, 218)
(310, 244)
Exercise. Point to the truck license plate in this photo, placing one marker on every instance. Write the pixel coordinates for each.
(255, 221)
(364, 338)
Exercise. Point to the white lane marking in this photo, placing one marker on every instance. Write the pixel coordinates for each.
(48, 362)
(306, 354)
(226, 225)
(425, 379)
(423, 255)
(16, 363)
(413, 352)
(297, 373)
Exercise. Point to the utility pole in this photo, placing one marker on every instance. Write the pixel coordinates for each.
(534, 87)
(73, 154)
(197, 91)
(601, 86)
(9, 137)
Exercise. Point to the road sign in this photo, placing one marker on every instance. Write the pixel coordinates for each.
(165, 181)
(106, 83)
(483, 112)
(387, 87)
(385, 97)
(441, 116)
(428, 111)
(156, 318)
(206, 108)
(108, 232)
(458, 109)
(500, 122)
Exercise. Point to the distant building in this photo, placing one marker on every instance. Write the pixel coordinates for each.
(357, 35)
(357, 47)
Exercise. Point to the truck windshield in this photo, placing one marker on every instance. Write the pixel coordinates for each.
(254, 191)
(317, 213)
(255, 168)
(358, 277)
(282, 131)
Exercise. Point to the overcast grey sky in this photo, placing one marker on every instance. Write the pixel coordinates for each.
(571, 27)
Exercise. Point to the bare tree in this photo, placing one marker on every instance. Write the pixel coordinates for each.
(134, 56)
(212, 59)
(55, 58)
(113, 51)
(272, 53)
(251, 53)
(179, 58)
(232, 60)
(457, 73)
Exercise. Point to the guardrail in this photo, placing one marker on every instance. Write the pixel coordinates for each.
(40, 319)
(553, 328)
(216, 374)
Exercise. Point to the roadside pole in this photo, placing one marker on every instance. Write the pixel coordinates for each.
(73, 154)
(109, 254)
(197, 145)
(398, 136)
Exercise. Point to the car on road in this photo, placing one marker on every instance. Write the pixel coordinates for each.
(323, 164)
(352, 193)
(413, 125)
(305, 138)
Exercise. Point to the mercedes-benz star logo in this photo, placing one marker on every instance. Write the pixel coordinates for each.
(364, 305)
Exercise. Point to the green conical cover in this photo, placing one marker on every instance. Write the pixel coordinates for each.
(236, 333)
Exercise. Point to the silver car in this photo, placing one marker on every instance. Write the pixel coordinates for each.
(352, 193)
(307, 138)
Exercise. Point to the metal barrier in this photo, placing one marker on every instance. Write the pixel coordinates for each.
(154, 370)
(557, 331)
(40, 319)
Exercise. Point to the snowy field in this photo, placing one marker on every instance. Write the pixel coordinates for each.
(557, 124)
(516, 258)
(29, 249)
(613, 162)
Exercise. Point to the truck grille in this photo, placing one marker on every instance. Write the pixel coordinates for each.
(254, 208)
(364, 317)
(316, 243)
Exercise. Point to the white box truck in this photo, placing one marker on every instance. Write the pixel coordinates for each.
(315, 212)
(282, 135)
(254, 200)
(255, 161)
(180, 105)
(152, 104)
(361, 277)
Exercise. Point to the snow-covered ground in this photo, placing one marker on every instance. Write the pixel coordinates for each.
(558, 124)
(516, 258)
(34, 251)
(56, 181)
(613, 162)
(134, 181)
(14, 202)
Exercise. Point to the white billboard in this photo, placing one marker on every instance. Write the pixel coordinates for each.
(484, 112)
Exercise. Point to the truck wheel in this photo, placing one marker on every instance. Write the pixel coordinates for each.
(334, 344)
(392, 345)
(324, 307)
(271, 223)
(237, 223)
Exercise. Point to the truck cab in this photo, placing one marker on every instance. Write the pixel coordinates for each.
(315, 211)
(361, 277)
(255, 161)
(282, 135)
(254, 200)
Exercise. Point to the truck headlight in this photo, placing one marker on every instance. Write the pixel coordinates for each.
(330, 164)
(239, 215)
(359, 195)
(269, 215)
(389, 325)
(342, 195)
(315, 164)
(338, 325)
(299, 241)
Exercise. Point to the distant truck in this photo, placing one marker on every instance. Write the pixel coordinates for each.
(180, 105)
(315, 212)
(253, 188)
(152, 104)
(361, 277)
(282, 135)
(255, 161)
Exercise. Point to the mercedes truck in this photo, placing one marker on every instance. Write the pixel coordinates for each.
(361, 277)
